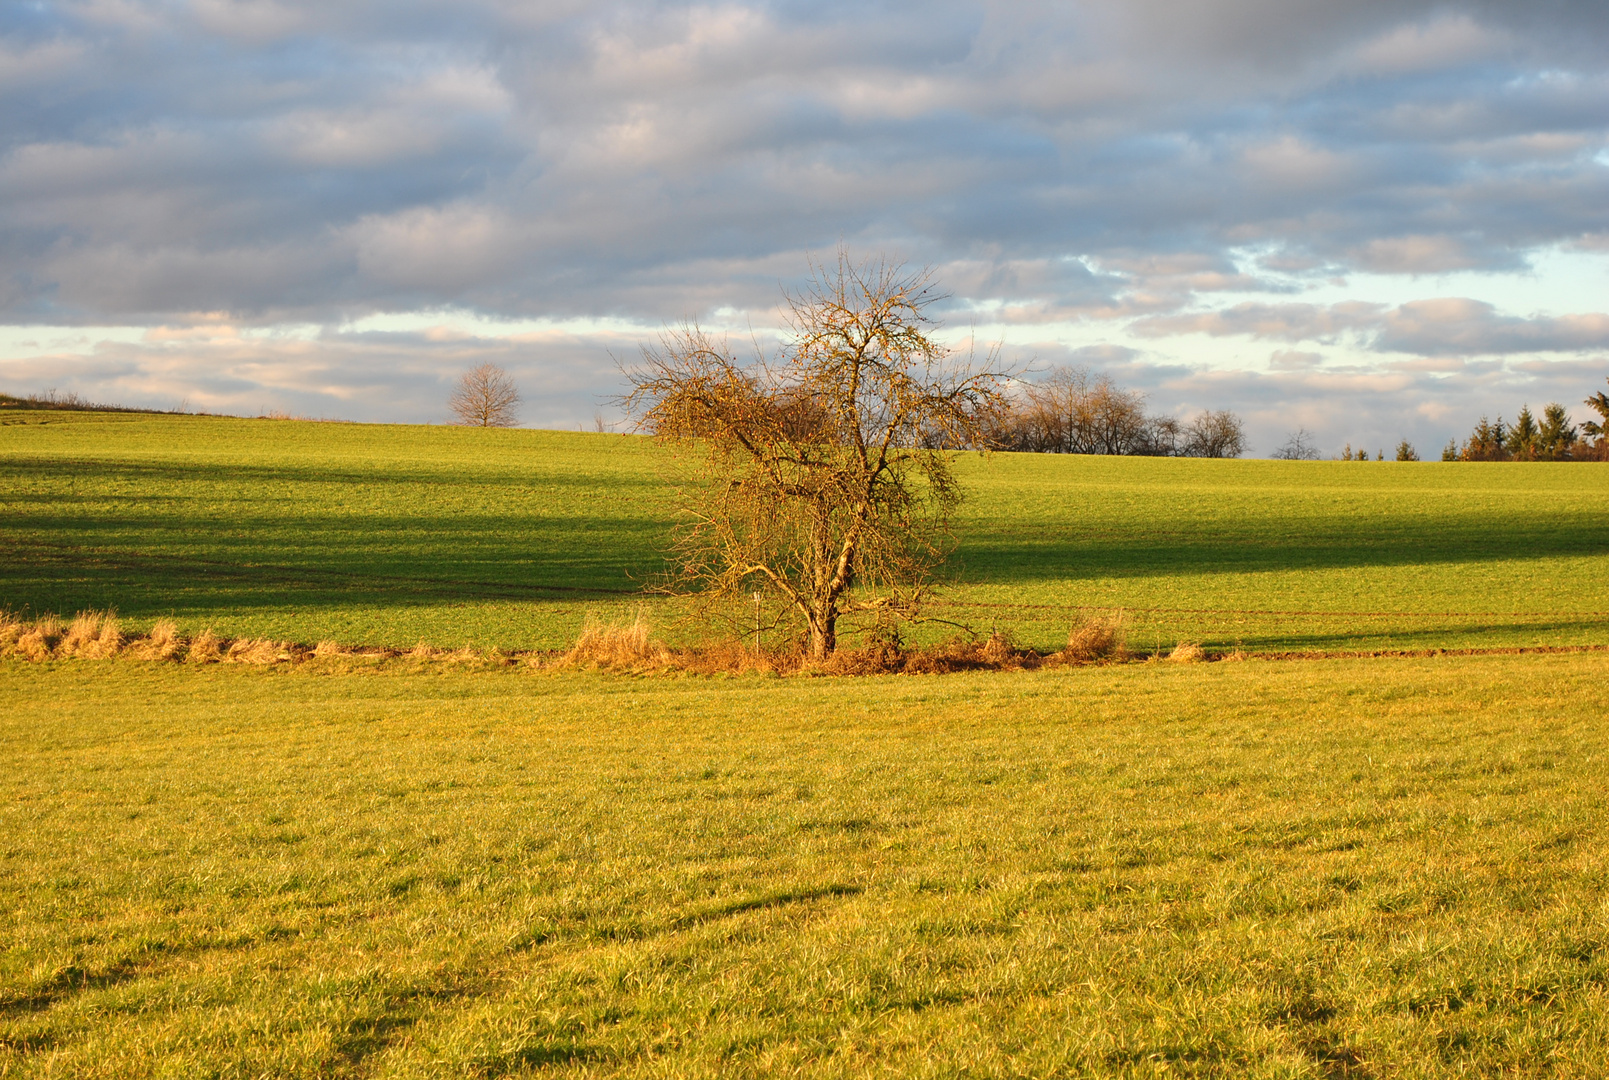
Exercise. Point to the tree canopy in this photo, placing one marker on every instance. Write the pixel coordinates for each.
(814, 475)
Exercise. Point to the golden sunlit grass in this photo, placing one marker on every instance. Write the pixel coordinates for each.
(1293, 869)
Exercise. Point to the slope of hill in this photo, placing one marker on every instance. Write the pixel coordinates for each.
(389, 534)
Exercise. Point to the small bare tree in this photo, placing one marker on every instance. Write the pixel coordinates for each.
(810, 474)
(1214, 435)
(485, 397)
(1298, 447)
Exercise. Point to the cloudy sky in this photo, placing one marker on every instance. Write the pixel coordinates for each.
(1371, 219)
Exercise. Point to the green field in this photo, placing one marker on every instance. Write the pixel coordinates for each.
(1370, 868)
(386, 535)
(366, 866)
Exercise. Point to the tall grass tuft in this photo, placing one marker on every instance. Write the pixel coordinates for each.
(11, 631)
(163, 642)
(205, 648)
(1186, 652)
(1099, 638)
(81, 636)
(93, 635)
(602, 644)
(37, 641)
(256, 651)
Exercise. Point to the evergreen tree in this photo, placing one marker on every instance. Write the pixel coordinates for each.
(1599, 430)
(1486, 442)
(1557, 436)
(1521, 443)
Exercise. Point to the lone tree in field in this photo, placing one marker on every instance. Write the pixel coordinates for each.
(1215, 435)
(485, 397)
(812, 474)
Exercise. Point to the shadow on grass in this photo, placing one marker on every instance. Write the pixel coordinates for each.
(777, 899)
(987, 558)
(66, 983)
(149, 538)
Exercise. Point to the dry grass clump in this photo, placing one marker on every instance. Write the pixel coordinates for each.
(997, 652)
(81, 633)
(1186, 652)
(162, 643)
(205, 648)
(878, 658)
(11, 631)
(92, 635)
(37, 641)
(627, 645)
(735, 658)
(257, 651)
(1099, 638)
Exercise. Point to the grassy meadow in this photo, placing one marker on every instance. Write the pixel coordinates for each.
(428, 865)
(1365, 868)
(390, 534)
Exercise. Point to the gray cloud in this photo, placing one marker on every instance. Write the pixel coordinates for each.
(313, 161)
(1431, 328)
(247, 177)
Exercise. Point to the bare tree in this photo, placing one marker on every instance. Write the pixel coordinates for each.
(1075, 411)
(1298, 447)
(485, 397)
(810, 478)
(1078, 413)
(1214, 435)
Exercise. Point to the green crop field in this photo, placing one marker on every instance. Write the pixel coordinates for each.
(381, 534)
(1364, 868)
(393, 866)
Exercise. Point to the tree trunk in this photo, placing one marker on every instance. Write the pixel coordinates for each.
(823, 635)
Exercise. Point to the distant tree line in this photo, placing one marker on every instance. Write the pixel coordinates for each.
(1553, 438)
(1074, 411)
